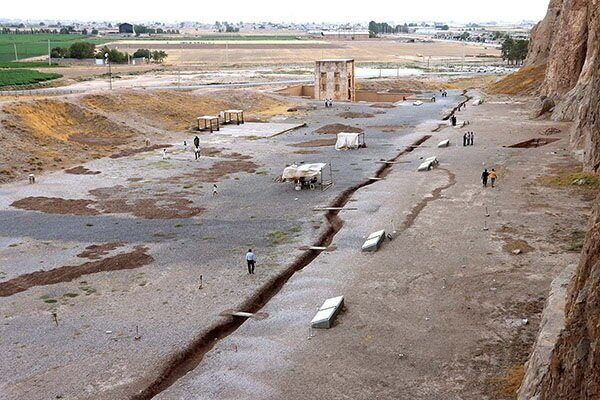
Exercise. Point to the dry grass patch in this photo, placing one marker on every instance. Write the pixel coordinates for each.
(526, 81)
(573, 178)
(508, 384)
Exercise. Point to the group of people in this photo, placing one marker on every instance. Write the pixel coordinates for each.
(468, 138)
(489, 175)
(443, 93)
(328, 103)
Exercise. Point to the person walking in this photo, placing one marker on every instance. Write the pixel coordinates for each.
(465, 139)
(164, 154)
(197, 152)
(196, 142)
(251, 260)
(472, 138)
(215, 189)
(493, 176)
(484, 177)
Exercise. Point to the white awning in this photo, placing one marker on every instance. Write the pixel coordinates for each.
(294, 172)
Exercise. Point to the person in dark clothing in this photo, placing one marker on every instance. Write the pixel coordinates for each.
(471, 138)
(196, 142)
(465, 138)
(484, 177)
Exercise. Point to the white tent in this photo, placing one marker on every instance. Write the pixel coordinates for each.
(347, 141)
(295, 172)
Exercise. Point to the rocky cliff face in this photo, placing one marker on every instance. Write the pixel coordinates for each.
(575, 362)
(542, 35)
(568, 43)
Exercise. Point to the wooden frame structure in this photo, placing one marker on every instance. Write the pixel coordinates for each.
(211, 122)
(231, 116)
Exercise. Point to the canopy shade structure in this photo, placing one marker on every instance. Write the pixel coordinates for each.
(233, 116)
(208, 122)
(349, 141)
(307, 175)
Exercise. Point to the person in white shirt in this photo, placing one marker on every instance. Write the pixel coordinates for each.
(250, 259)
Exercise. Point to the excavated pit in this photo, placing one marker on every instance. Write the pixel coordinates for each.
(533, 143)
(189, 358)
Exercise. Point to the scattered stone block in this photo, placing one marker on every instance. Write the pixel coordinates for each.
(327, 313)
(374, 241)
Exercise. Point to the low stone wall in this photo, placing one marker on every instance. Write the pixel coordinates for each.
(553, 322)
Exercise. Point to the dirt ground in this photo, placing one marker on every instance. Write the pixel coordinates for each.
(295, 52)
(438, 312)
(47, 134)
(115, 279)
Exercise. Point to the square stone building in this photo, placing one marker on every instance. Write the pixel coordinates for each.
(334, 79)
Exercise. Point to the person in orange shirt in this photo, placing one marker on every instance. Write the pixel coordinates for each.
(493, 176)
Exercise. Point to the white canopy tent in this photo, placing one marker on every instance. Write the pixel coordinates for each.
(349, 141)
(306, 175)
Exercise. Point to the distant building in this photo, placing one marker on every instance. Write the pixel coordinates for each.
(334, 79)
(126, 28)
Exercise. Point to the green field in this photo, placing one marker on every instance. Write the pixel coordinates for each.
(33, 45)
(20, 77)
(26, 64)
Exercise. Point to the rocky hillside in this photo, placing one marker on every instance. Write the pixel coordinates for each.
(567, 42)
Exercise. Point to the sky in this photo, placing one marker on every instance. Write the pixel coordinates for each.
(277, 10)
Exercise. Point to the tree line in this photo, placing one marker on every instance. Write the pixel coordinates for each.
(514, 50)
(383, 27)
(83, 50)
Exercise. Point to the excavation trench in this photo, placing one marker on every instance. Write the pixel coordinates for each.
(189, 358)
(455, 109)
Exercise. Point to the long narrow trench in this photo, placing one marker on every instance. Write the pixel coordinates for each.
(189, 358)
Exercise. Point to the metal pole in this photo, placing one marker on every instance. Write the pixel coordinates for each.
(16, 55)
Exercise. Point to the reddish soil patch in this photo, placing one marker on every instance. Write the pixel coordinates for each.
(135, 259)
(130, 152)
(56, 205)
(306, 152)
(338, 128)
(119, 199)
(215, 152)
(222, 168)
(383, 105)
(135, 179)
(81, 170)
(389, 128)
(96, 251)
(315, 143)
(351, 114)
